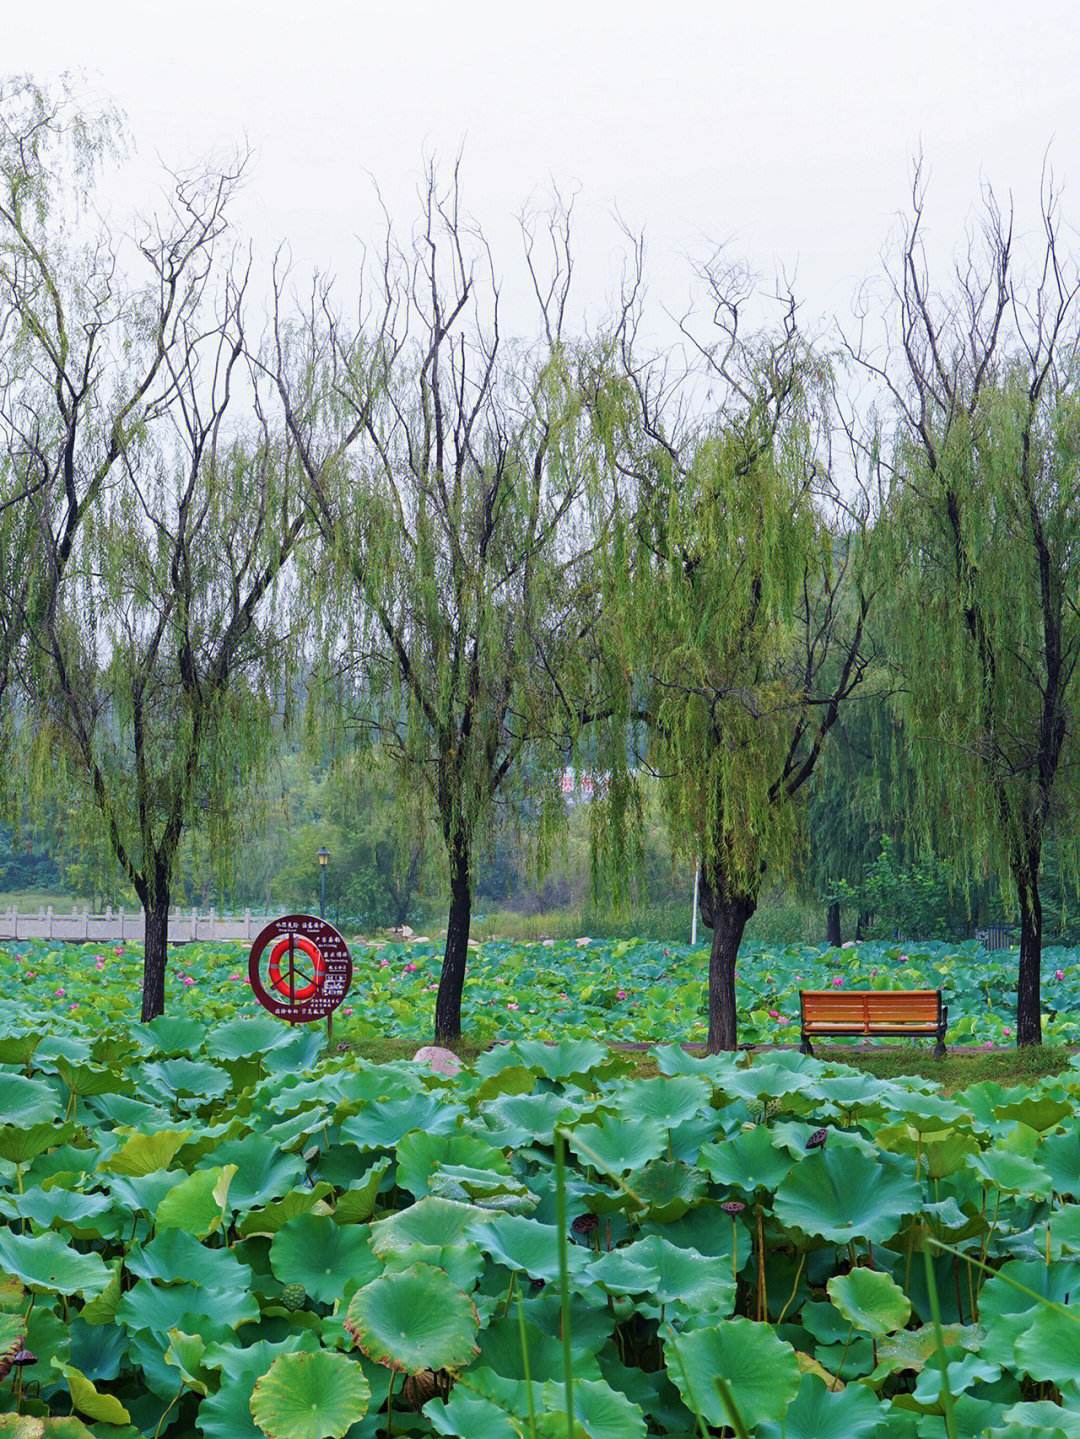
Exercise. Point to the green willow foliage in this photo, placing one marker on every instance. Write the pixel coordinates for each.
(458, 482)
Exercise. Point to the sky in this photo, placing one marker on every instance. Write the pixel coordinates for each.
(783, 131)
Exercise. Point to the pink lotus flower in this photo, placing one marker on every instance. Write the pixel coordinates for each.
(902, 959)
(411, 968)
(188, 979)
(989, 1044)
(838, 982)
(384, 964)
(1007, 1032)
(73, 1006)
(433, 986)
(99, 963)
(620, 994)
(346, 1011)
(511, 1004)
(774, 1014)
(564, 996)
(59, 993)
(873, 974)
(119, 949)
(236, 976)
(1059, 974)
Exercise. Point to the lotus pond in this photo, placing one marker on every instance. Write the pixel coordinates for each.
(611, 989)
(223, 1229)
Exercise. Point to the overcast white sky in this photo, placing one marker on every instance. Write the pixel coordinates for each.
(785, 129)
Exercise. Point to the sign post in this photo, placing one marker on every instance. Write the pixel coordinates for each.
(300, 969)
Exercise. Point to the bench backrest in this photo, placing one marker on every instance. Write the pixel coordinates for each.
(871, 1006)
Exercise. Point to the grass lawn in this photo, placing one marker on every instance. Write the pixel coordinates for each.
(956, 1071)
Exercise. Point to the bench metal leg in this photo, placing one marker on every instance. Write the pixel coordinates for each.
(806, 1047)
(939, 1048)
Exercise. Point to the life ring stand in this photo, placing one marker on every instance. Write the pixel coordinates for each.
(281, 983)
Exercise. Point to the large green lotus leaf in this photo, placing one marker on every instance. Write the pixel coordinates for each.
(463, 1263)
(569, 1060)
(185, 1353)
(841, 1194)
(667, 1274)
(356, 1203)
(263, 1172)
(912, 1349)
(169, 1034)
(316, 1395)
(122, 1111)
(323, 1256)
(926, 1112)
(748, 1160)
(667, 1188)
(1048, 1349)
(1059, 1155)
(241, 1037)
(961, 1373)
(25, 1102)
(191, 1077)
(18, 1048)
(600, 1411)
(1012, 1173)
(489, 1190)
(818, 1413)
(85, 1397)
(674, 1059)
(430, 1221)
(161, 1307)
(26, 1426)
(668, 1101)
(175, 1257)
(419, 1153)
(226, 1414)
(616, 1145)
(515, 1119)
(470, 1416)
(197, 1203)
(767, 1079)
(102, 1308)
(501, 1352)
(68, 1209)
(761, 1371)
(21, 1143)
(275, 1216)
(46, 1262)
(529, 1246)
(1039, 1111)
(413, 1320)
(1064, 1226)
(12, 1333)
(383, 1123)
(1040, 1417)
(87, 1079)
(144, 1192)
(142, 1154)
(871, 1300)
(97, 1350)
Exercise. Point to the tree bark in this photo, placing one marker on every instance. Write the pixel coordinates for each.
(833, 933)
(726, 913)
(155, 951)
(862, 924)
(1029, 974)
(456, 953)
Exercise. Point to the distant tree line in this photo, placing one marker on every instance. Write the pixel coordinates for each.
(798, 593)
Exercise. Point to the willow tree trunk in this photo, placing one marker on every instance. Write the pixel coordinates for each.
(833, 933)
(1029, 973)
(456, 953)
(155, 953)
(726, 913)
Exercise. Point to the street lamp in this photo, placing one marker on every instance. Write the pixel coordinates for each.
(324, 860)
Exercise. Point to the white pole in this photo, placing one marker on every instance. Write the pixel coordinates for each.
(693, 917)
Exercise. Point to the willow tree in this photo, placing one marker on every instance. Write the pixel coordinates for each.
(739, 608)
(65, 413)
(450, 472)
(154, 655)
(980, 451)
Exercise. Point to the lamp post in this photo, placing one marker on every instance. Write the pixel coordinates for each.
(324, 860)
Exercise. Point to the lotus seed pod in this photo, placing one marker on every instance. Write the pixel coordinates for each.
(293, 1296)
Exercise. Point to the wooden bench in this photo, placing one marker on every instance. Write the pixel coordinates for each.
(893, 1012)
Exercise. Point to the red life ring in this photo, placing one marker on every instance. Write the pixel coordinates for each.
(280, 981)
